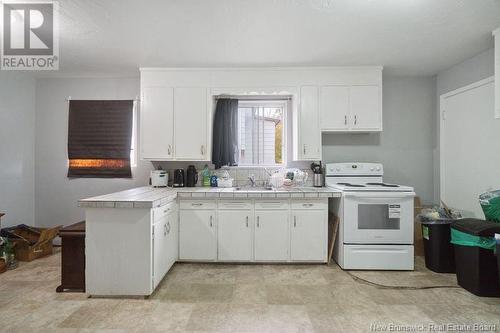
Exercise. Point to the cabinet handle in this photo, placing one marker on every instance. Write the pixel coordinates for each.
(169, 149)
(196, 204)
(355, 120)
(295, 221)
(307, 205)
(202, 150)
(247, 221)
(166, 210)
(258, 220)
(304, 149)
(164, 229)
(345, 120)
(211, 225)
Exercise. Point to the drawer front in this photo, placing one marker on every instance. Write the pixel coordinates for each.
(160, 212)
(235, 204)
(197, 204)
(272, 204)
(310, 204)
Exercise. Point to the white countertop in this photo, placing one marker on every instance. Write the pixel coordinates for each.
(149, 197)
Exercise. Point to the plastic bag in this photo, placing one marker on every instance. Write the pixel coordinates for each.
(490, 203)
(464, 239)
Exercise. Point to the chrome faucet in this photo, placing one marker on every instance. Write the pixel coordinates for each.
(252, 181)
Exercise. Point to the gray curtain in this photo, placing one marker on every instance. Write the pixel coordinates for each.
(225, 133)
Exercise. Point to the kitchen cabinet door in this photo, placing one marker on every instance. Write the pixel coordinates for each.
(197, 235)
(272, 240)
(235, 235)
(160, 250)
(173, 238)
(366, 111)
(309, 143)
(191, 124)
(157, 119)
(309, 232)
(334, 108)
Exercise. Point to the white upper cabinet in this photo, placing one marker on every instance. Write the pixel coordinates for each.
(351, 108)
(497, 72)
(191, 118)
(157, 118)
(366, 111)
(178, 104)
(334, 108)
(309, 133)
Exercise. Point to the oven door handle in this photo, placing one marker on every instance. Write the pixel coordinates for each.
(379, 194)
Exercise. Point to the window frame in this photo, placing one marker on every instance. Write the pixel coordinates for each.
(268, 102)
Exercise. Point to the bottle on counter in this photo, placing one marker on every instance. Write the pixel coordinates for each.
(205, 176)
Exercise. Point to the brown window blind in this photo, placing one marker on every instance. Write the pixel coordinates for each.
(99, 138)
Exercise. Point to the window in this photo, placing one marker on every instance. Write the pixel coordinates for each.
(133, 141)
(261, 132)
(100, 141)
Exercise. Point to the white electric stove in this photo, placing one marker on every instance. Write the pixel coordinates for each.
(376, 229)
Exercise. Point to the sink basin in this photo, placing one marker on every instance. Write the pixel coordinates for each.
(253, 189)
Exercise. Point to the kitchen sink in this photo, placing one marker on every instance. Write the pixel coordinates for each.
(255, 189)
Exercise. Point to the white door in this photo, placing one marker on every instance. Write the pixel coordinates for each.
(191, 123)
(157, 123)
(272, 240)
(334, 108)
(235, 235)
(309, 130)
(469, 147)
(173, 238)
(197, 235)
(309, 235)
(160, 245)
(366, 112)
(378, 218)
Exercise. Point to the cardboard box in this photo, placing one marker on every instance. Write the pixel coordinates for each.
(417, 234)
(31, 243)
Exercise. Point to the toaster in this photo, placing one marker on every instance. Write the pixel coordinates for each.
(159, 178)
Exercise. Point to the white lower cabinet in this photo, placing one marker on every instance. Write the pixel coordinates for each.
(247, 230)
(235, 235)
(197, 235)
(272, 241)
(165, 243)
(160, 245)
(309, 230)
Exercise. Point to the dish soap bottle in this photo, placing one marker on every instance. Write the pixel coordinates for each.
(205, 176)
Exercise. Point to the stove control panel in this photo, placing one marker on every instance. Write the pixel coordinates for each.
(354, 169)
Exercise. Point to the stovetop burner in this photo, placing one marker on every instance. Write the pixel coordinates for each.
(382, 184)
(351, 185)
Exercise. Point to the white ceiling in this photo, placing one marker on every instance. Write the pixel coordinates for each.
(408, 37)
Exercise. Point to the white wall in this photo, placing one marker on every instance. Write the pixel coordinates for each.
(405, 147)
(17, 128)
(56, 195)
(469, 71)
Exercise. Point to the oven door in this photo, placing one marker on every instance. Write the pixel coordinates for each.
(378, 217)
